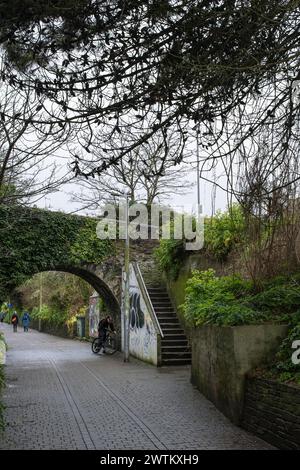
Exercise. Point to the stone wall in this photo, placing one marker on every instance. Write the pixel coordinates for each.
(222, 356)
(56, 330)
(144, 339)
(272, 412)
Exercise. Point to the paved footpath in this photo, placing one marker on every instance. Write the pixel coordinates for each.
(61, 396)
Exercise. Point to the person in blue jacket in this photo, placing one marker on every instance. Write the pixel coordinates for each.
(26, 321)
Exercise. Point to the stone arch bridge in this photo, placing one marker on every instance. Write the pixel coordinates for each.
(34, 240)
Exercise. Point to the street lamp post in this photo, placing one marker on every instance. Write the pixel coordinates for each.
(126, 286)
(41, 300)
(198, 171)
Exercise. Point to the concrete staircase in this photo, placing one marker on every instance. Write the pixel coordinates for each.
(174, 347)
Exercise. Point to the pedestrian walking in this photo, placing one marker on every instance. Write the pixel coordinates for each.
(2, 316)
(15, 321)
(25, 321)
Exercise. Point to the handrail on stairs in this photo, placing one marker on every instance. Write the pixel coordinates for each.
(146, 296)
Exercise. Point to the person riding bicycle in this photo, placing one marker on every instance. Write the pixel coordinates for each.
(105, 325)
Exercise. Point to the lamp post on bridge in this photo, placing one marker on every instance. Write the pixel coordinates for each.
(41, 300)
(125, 305)
(126, 312)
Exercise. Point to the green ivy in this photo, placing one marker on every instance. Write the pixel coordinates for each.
(49, 315)
(87, 247)
(170, 255)
(230, 301)
(222, 233)
(34, 240)
(278, 299)
(219, 300)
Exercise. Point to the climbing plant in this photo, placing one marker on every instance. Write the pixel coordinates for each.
(88, 247)
(231, 300)
(64, 296)
(34, 240)
(222, 233)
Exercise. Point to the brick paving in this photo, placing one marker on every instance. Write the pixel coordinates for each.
(61, 396)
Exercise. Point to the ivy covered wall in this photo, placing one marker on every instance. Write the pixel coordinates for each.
(34, 240)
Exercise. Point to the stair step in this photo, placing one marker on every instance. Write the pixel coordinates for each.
(161, 314)
(174, 356)
(157, 290)
(162, 304)
(166, 314)
(176, 362)
(162, 300)
(166, 318)
(160, 297)
(175, 347)
(163, 308)
(178, 352)
(173, 331)
(173, 336)
(174, 342)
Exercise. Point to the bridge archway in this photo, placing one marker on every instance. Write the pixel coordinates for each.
(100, 286)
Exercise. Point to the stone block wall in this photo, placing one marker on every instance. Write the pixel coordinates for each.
(56, 330)
(222, 356)
(272, 412)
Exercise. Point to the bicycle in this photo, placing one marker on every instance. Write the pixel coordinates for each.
(109, 345)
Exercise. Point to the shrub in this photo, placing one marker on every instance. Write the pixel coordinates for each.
(278, 299)
(224, 231)
(221, 234)
(170, 255)
(219, 300)
(48, 314)
(230, 300)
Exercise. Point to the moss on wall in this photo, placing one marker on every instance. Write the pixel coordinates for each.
(34, 240)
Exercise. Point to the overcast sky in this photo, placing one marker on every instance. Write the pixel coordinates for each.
(61, 200)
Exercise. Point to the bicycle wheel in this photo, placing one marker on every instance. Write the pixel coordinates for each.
(110, 345)
(96, 345)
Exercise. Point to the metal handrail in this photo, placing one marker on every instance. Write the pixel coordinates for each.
(144, 290)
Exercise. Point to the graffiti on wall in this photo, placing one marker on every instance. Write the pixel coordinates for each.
(143, 340)
(94, 315)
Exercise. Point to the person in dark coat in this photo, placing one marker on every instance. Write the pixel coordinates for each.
(26, 321)
(104, 325)
(15, 321)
